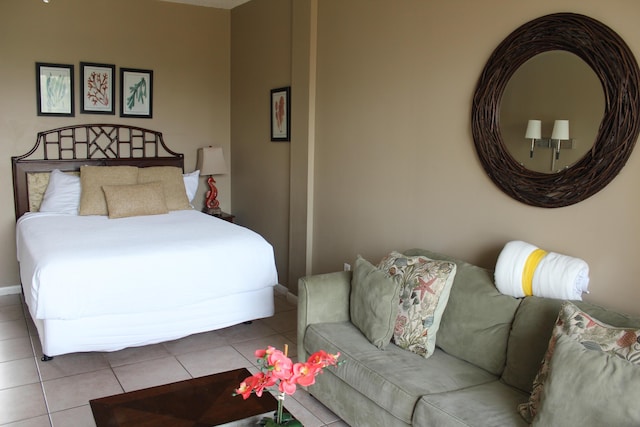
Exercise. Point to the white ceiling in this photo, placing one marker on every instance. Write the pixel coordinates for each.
(221, 4)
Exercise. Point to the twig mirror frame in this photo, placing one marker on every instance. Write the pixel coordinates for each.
(616, 67)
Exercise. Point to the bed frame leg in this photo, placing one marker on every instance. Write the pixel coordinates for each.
(46, 358)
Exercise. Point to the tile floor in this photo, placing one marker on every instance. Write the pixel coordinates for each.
(57, 393)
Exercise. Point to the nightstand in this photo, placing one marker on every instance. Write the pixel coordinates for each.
(222, 215)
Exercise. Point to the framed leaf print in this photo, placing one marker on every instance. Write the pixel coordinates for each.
(136, 93)
(54, 87)
(97, 88)
(281, 114)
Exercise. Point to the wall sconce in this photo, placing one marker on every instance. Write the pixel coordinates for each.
(211, 162)
(560, 133)
(534, 131)
(559, 138)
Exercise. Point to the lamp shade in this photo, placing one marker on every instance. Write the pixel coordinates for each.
(560, 130)
(534, 129)
(211, 161)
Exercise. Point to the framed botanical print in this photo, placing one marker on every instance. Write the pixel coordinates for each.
(54, 87)
(136, 93)
(281, 114)
(97, 88)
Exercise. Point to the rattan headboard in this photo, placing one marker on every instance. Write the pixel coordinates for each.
(69, 148)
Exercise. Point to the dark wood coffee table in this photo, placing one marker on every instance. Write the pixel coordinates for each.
(198, 402)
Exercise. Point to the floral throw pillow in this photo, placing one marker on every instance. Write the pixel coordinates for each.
(425, 285)
(592, 334)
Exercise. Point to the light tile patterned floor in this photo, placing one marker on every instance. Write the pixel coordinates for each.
(57, 393)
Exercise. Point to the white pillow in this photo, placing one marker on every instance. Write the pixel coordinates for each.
(62, 194)
(191, 184)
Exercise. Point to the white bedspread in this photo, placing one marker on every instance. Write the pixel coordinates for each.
(78, 266)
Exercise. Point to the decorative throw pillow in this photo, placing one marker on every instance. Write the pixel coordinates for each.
(172, 183)
(62, 194)
(589, 388)
(425, 285)
(592, 334)
(135, 199)
(373, 302)
(92, 178)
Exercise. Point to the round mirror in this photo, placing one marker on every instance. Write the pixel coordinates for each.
(554, 85)
(617, 71)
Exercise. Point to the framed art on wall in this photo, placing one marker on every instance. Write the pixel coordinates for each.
(97, 88)
(136, 93)
(54, 87)
(281, 114)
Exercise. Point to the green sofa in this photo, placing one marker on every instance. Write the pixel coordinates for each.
(488, 351)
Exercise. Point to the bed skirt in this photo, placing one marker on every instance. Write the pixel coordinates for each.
(115, 332)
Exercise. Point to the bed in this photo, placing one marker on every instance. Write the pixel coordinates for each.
(104, 281)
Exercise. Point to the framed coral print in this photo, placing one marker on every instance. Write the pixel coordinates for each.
(54, 87)
(97, 88)
(280, 114)
(136, 93)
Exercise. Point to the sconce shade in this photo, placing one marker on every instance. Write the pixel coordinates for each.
(560, 130)
(211, 161)
(534, 129)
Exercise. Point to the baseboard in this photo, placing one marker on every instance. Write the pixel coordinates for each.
(10, 290)
(283, 290)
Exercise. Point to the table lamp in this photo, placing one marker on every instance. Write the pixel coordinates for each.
(211, 162)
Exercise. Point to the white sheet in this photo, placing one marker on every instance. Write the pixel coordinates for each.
(80, 266)
(115, 332)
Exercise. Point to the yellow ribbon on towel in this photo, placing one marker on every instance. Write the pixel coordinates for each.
(529, 268)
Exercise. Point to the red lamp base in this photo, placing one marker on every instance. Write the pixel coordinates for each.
(212, 203)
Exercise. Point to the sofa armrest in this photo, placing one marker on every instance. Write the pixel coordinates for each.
(322, 298)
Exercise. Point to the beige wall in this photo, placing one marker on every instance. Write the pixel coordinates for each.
(388, 144)
(260, 61)
(395, 161)
(187, 47)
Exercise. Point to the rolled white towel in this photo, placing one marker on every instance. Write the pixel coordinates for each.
(524, 269)
(511, 263)
(561, 276)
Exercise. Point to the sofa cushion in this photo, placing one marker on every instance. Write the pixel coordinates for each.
(589, 388)
(395, 379)
(528, 340)
(373, 302)
(485, 405)
(476, 323)
(425, 285)
(624, 341)
(530, 333)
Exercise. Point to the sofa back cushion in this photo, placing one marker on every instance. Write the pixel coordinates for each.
(529, 339)
(476, 322)
(532, 327)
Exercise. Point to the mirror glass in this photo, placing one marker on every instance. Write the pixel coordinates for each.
(554, 85)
